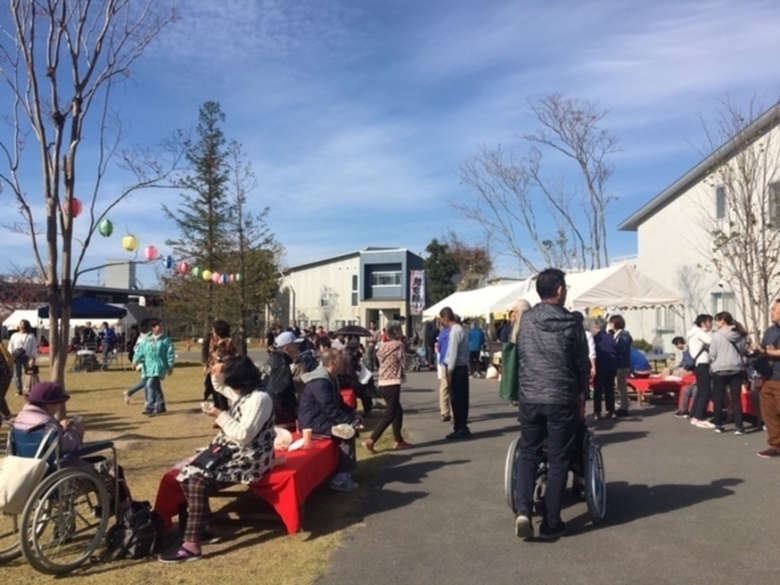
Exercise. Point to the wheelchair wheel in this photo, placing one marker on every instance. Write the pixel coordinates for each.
(9, 537)
(65, 520)
(510, 473)
(595, 481)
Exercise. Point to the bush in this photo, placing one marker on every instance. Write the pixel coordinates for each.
(643, 345)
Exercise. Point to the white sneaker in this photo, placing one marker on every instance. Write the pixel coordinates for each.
(705, 424)
(694, 421)
(343, 431)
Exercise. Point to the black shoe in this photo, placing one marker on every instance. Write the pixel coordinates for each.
(149, 411)
(621, 412)
(459, 435)
(446, 418)
(207, 537)
(523, 526)
(682, 414)
(547, 533)
(161, 409)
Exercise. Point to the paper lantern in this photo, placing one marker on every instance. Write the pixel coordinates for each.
(183, 268)
(216, 277)
(75, 207)
(151, 253)
(130, 243)
(169, 262)
(105, 228)
(206, 275)
(196, 272)
(232, 278)
(239, 278)
(225, 279)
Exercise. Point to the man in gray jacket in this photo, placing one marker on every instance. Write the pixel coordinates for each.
(553, 371)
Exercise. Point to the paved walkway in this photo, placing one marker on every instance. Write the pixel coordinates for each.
(684, 506)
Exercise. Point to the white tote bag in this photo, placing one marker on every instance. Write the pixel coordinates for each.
(19, 476)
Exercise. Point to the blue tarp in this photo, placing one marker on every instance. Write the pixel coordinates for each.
(86, 308)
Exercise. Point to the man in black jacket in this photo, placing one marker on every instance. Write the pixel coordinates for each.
(553, 370)
(280, 383)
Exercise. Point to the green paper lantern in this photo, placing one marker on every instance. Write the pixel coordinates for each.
(239, 277)
(195, 272)
(105, 228)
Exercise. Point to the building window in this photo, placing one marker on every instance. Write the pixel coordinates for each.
(721, 203)
(355, 295)
(386, 278)
(664, 319)
(774, 204)
(723, 301)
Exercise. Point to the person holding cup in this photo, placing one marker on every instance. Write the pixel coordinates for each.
(242, 451)
(322, 410)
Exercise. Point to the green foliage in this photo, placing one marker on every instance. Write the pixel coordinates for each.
(218, 232)
(440, 270)
(642, 345)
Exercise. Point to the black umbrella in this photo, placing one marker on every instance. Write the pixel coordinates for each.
(356, 330)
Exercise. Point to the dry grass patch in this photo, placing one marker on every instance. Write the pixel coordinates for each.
(252, 552)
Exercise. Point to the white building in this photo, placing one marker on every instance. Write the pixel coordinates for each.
(674, 234)
(366, 285)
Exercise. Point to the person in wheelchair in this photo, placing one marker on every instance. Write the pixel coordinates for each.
(43, 404)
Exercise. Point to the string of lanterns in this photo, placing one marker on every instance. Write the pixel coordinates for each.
(130, 243)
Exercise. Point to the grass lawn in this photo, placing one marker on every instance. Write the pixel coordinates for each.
(254, 552)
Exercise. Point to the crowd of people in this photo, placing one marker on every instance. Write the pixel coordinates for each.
(554, 360)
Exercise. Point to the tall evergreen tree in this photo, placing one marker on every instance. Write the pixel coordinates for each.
(202, 217)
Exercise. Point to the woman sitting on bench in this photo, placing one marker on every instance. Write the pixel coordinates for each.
(242, 452)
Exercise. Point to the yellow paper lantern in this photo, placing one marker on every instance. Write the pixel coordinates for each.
(206, 274)
(130, 243)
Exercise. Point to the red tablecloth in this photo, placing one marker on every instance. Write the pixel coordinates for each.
(285, 488)
(349, 397)
(658, 385)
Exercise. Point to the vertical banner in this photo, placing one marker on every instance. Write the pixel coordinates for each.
(416, 292)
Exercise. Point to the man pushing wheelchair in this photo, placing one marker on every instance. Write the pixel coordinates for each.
(553, 375)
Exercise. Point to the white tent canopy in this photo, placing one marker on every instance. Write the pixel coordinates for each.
(475, 303)
(620, 286)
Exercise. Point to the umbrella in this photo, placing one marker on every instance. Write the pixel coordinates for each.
(356, 330)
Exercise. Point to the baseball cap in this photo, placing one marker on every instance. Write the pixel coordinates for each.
(286, 338)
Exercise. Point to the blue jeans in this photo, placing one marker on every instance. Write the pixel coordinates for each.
(141, 384)
(19, 366)
(154, 394)
(559, 424)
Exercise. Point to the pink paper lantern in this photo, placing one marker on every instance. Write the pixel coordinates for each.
(151, 253)
(216, 278)
(232, 278)
(184, 268)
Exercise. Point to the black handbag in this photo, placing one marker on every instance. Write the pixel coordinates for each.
(213, 457)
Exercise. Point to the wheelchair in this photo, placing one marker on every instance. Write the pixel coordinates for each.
(587, 465)
(65, 518)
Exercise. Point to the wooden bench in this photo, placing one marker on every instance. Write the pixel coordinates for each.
(285, 488)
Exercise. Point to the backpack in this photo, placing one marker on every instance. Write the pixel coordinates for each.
(687, 362)
(137, 534)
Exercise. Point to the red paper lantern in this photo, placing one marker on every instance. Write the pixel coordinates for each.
(75, 209)
(184, 268)
(151, 253)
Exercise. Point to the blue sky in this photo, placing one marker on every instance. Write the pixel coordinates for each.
(358, 115)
